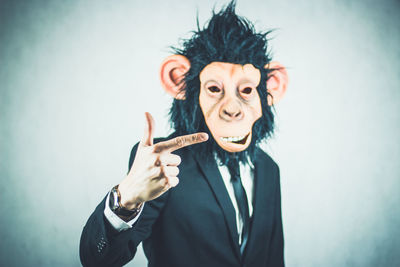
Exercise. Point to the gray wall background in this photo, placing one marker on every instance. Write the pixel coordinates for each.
(77, 76)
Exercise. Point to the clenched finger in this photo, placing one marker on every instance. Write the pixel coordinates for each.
(170, 171)
(173, 181)
(181, 141)
(169, 159)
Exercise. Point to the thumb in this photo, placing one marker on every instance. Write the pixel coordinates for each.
(148, 130)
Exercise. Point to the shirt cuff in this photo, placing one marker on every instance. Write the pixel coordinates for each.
(117, 222)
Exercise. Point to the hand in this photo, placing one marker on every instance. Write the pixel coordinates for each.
(155, 168)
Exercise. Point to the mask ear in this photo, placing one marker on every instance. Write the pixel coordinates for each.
(277, 82)
(172, 72)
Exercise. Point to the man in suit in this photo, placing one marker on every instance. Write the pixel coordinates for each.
(226, 210)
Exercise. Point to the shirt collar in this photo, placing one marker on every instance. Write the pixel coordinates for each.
(249, 163)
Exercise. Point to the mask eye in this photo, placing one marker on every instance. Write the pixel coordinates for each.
(247, 90)
(214, 89)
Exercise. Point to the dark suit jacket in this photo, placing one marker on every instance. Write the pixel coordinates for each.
(194, 223)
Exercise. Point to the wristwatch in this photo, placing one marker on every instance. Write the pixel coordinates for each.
(117, 208)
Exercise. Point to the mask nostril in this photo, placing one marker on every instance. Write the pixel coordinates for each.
(227, 113)
(238, 114)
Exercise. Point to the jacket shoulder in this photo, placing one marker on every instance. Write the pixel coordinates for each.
(265, 159)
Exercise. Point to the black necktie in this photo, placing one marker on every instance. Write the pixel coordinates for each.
(241, 199)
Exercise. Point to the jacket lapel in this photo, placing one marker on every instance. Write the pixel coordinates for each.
(262, 208)
(213, 176)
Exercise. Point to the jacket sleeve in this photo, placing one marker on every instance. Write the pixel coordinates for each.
(276, 252)
(102, 245)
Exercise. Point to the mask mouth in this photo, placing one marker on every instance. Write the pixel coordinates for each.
(241, 140)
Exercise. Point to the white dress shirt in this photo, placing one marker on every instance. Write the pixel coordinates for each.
(247, 177)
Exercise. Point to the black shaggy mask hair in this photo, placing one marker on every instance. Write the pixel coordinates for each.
(226, 38)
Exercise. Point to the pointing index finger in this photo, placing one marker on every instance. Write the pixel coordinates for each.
(181, 141)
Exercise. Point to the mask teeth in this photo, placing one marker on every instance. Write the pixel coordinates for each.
(233, 138)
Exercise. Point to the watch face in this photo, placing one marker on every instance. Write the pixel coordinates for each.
(114, 200)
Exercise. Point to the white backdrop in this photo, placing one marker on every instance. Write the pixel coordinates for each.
(76, 78)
